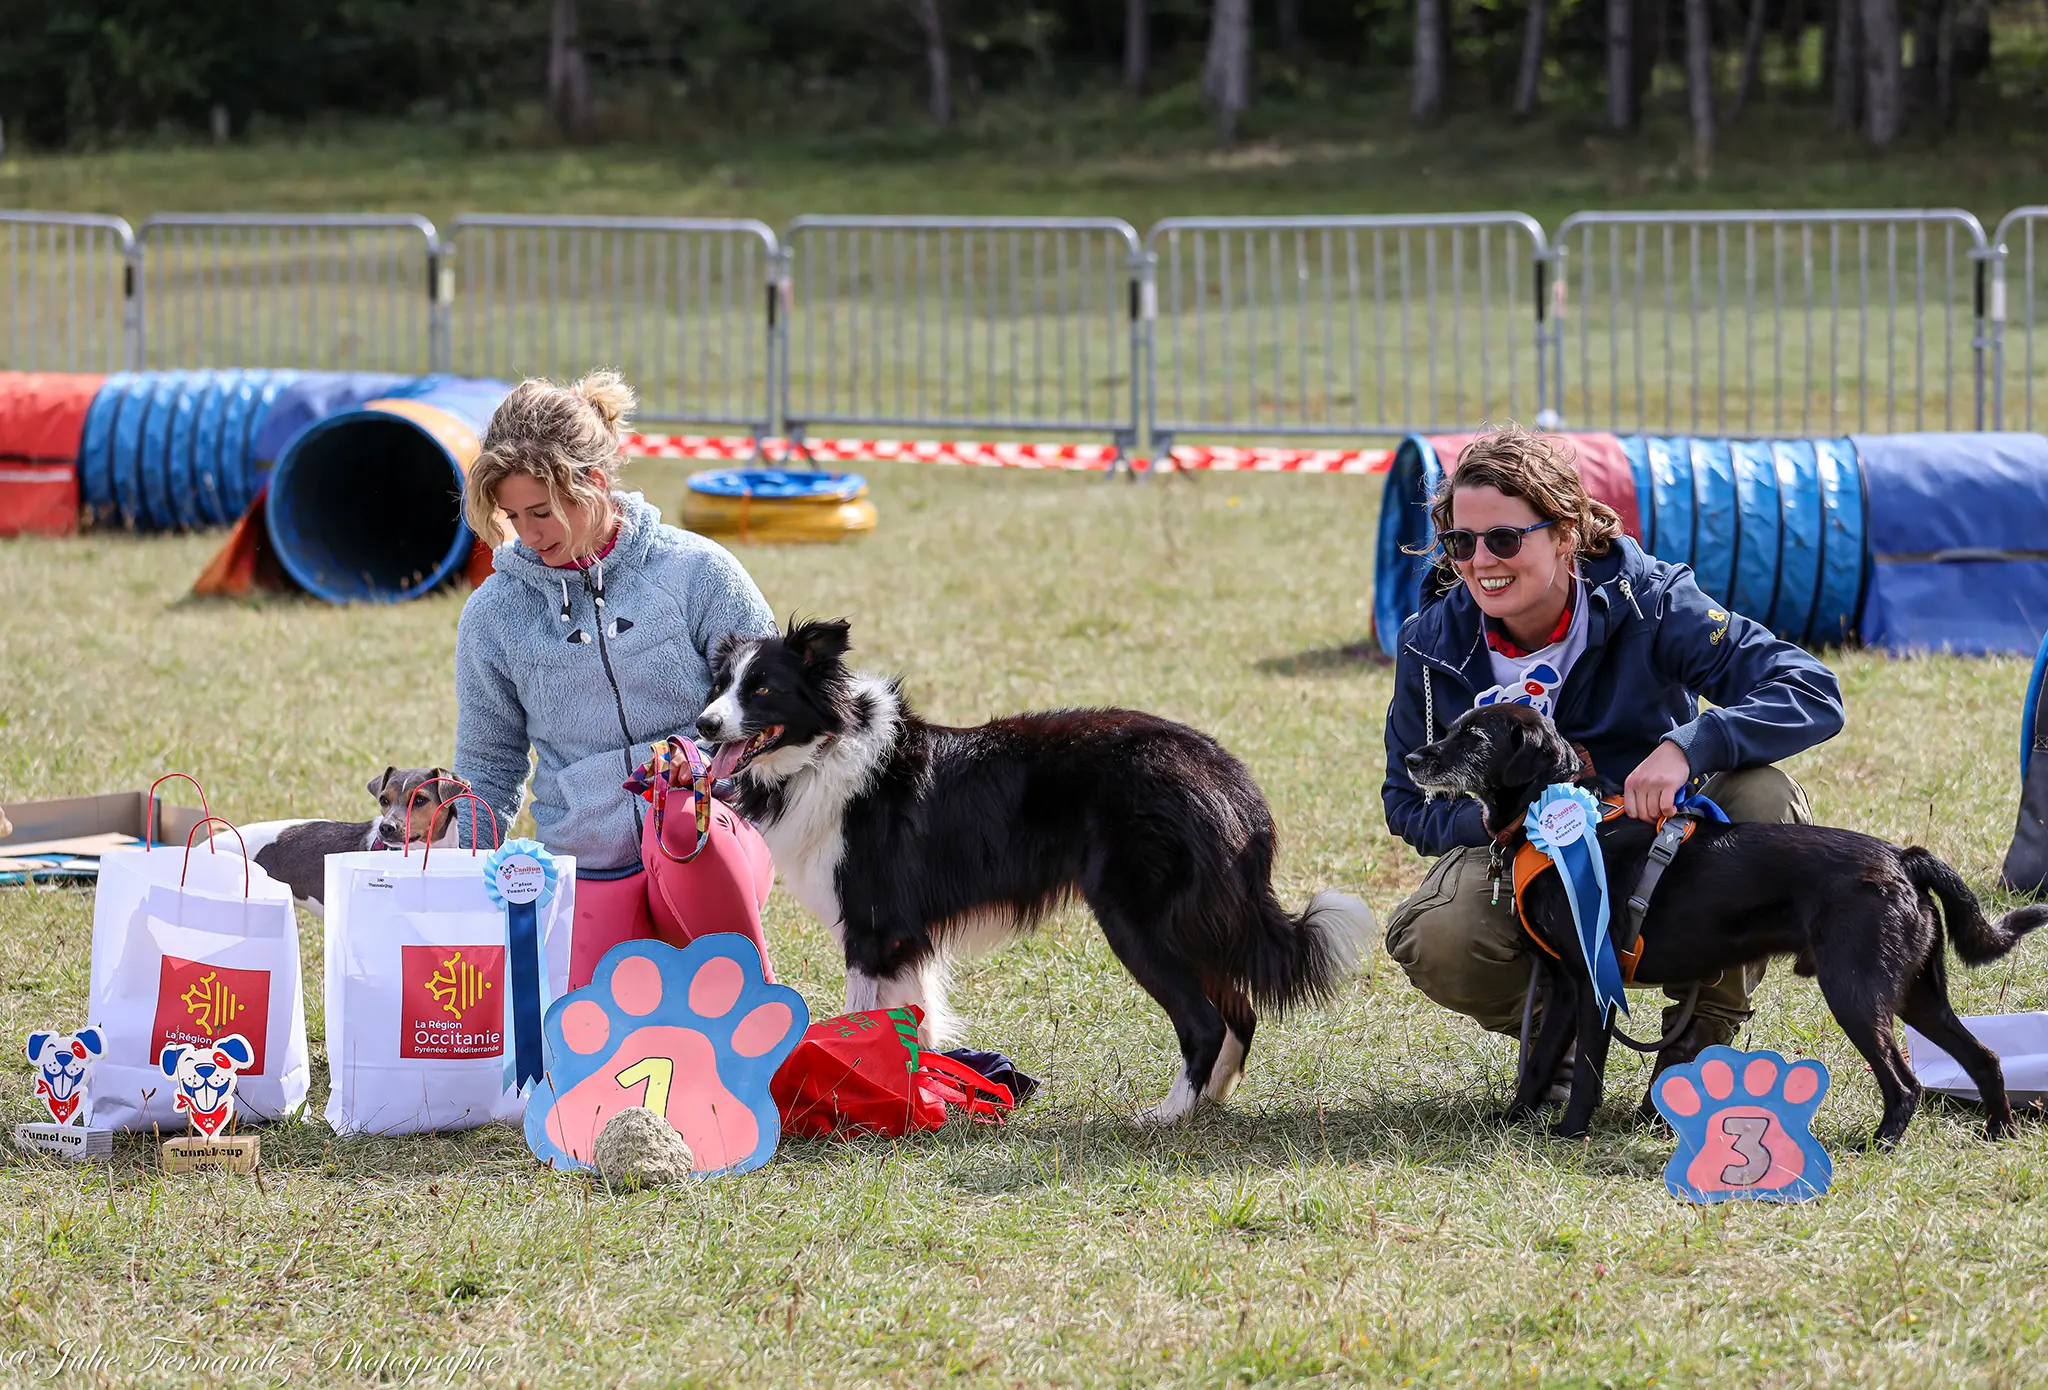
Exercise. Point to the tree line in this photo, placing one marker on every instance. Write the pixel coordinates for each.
(87, 71)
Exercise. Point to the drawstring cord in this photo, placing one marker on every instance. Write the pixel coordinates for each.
(593, 579)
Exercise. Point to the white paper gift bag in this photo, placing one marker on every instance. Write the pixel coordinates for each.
(423, 990)
(189, 946)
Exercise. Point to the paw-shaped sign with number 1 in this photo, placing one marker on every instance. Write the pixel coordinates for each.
(1744, 1122)
(694, 1035)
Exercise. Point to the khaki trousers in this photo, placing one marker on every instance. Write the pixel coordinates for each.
(1469, 953)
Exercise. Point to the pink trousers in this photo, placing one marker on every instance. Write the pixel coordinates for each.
(721, 890)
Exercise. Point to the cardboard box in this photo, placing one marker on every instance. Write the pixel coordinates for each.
(74, 831)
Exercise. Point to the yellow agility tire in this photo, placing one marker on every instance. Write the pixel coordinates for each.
(776, 505)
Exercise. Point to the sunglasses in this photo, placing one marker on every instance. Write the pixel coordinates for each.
(1504, 541)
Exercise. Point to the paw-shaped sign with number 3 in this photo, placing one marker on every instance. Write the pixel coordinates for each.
(1744, 1128)
(693, 1034)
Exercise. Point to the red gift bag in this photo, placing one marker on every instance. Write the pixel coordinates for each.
(865, 1074)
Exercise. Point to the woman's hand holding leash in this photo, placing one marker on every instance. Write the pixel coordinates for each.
(1651, 792)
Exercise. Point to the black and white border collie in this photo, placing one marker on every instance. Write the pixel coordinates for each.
(917, 844)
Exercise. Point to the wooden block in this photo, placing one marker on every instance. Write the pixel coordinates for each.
(192, 1154)
(72, 1143)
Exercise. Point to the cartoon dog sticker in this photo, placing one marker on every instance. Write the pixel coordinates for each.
(206, 1080)
(62, 1061)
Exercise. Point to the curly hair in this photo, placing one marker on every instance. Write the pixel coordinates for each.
(1543, 471)
(558, 435)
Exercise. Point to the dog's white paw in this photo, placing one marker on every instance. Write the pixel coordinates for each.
(1180, 1102)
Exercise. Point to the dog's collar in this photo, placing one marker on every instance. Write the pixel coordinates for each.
(1497, 854)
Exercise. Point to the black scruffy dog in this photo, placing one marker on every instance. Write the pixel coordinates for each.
(916, 843)
(1857, 912)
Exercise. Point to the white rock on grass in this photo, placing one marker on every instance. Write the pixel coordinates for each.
(638, 1148)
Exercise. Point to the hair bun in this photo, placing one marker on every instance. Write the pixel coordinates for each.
(608, 394)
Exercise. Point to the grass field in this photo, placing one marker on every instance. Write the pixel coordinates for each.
(1357, 1215)
(1321, 150)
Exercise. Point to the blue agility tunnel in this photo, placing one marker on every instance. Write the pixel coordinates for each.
(1775, 529)
(1909, 542)
(1958, 540)
(172, 450)
(365, 502)
(1772, 528)
(314, 396)
(360, 474)
(96, 452)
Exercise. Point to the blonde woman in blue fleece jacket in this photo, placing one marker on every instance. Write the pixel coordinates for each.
(593, 640)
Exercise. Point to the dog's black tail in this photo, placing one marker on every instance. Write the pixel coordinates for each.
(1299, 960)
(1977, 941)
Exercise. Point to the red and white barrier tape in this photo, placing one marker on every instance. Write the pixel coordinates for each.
(1223, 459)
(709, 447)
(965, 453)
(975, 454)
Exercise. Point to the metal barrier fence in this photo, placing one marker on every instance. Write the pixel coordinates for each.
(332, 292)
(67, 292)
(2018, 308)
(1343, 325)
(1753, 323)
(685, 306)
(1767, 323)
(963, 323)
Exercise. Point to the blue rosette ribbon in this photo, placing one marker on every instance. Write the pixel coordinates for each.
(1564, 823)
(520, 876)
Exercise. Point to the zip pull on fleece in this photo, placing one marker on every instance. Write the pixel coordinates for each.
(564, 615)
(1628, 592)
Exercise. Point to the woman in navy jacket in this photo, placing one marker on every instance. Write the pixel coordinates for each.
(1556, 608)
